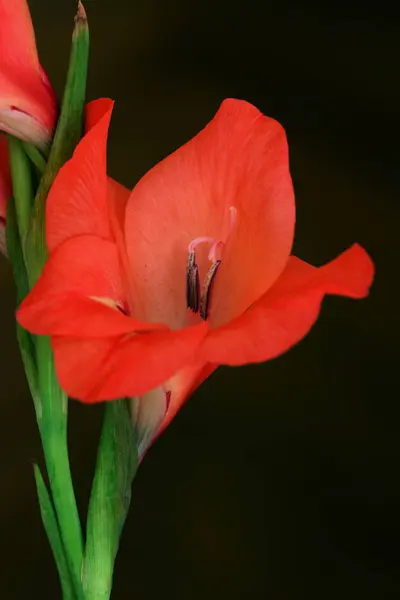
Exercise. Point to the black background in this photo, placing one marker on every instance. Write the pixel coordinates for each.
(278, 481)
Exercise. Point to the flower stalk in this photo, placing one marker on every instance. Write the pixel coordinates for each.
(28, 253)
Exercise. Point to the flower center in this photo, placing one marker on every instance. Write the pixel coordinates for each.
(195, 300)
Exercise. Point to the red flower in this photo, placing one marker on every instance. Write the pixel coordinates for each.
(28, 107)
(122, 294)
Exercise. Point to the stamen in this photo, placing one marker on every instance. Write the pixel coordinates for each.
(111, 303)
(208, 283)
(121, 309)
(192, 283)
(215, 252)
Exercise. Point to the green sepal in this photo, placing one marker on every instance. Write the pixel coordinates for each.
(116, 465)
(53, 534)
(67, 136)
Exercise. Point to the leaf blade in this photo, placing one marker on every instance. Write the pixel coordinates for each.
(53, 534)
(116, 465)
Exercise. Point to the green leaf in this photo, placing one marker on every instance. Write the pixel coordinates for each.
(116, 466)
(27, 349)
(53, 534)
(66, 138)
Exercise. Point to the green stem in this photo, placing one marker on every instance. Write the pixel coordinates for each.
(52, 422)
(23, 193)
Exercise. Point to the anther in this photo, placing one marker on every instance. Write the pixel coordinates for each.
(207, 287)
(192, 283)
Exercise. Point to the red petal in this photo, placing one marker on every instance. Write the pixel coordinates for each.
(240, 159)
(79, 293)
(148, 412)
(95, 111)
(286, 313)
(182, 385)
(17, 40)
(25, 90)
(153, 411)
(80, 362)
(106, 369)
(77, 203)
(118, 196)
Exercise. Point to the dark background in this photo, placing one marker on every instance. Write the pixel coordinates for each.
(278, 481)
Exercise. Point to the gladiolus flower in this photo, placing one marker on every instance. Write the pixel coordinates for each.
(28, 108)
(146, 293)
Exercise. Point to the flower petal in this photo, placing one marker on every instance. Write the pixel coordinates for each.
(182, 385)
(239, 159)
(78, 202)
(125, 365)
(117, 196)
(286, 313)
(17, 40)
(80, 362)
(74, 315)
(27, 100)
(148, 412)
(95, 111)
(152, 412)
(80, 292)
